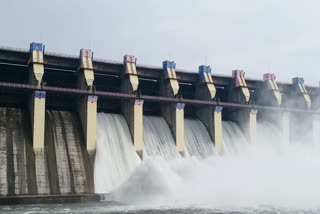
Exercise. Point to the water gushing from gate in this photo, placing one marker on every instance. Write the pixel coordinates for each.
(115, 156)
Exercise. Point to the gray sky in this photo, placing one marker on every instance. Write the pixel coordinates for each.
(258, 36)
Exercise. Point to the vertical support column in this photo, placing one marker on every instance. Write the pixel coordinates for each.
(239, 93)
(170, 84)
(271, 94)
(38, 104)
(210, 116)
(247, 120)
(37, 114)
(286, 126)
(178, 127)
(300, 99)
(316, 130)
(133, 112)
(173, 113)
(217, 118)
(88, 117)
(37, 101)
(316, 118)
(301, 92)
(253, 125)
(133, 109)
(88, 104)
(206, 90)
(137, 126)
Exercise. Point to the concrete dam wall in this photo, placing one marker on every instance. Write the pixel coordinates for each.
(16, 168)
(62, 166)
(75, 125)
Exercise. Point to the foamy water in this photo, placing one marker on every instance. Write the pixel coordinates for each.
(270, 176)
(115, 157)
(252, 179)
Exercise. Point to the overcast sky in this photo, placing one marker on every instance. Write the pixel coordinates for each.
(258, 36)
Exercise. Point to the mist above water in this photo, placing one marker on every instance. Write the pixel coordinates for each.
(269, 174)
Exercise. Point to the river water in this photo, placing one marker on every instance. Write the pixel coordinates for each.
(271, 176)
(112, 207)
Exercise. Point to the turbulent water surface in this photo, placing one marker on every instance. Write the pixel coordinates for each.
(112, 207)
(271, 176)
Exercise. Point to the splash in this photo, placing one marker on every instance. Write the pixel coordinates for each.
(270, 173)
(115, 157)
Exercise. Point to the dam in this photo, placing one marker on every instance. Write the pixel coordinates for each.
(76, 125)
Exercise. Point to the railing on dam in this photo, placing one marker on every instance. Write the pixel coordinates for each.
(49, 107)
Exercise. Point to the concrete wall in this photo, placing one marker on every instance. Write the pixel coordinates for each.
(245, 118)
(88, 104)
(210, 116)
(173, 113)
(132, 109)
(41, 161)
(37, 115)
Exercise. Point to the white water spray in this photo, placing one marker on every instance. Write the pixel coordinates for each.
(157, 138)
(115, 157)
(234, 140)
(197, 140)
(266, 174)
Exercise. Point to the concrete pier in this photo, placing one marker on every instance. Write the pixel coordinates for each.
(37, 100)
(315, 97)
(316, 130)
(173, 113)
(285, 117)
(239, 91)
(88, 104)
(270, 95)
(132, 109)
(210, 116)
(300, 123)
(37, 114)
(253, 125)
(245, 118)
(300, 93)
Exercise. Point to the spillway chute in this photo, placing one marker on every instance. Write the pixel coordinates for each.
(115, 158)
(197, 139)
(158, 140)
